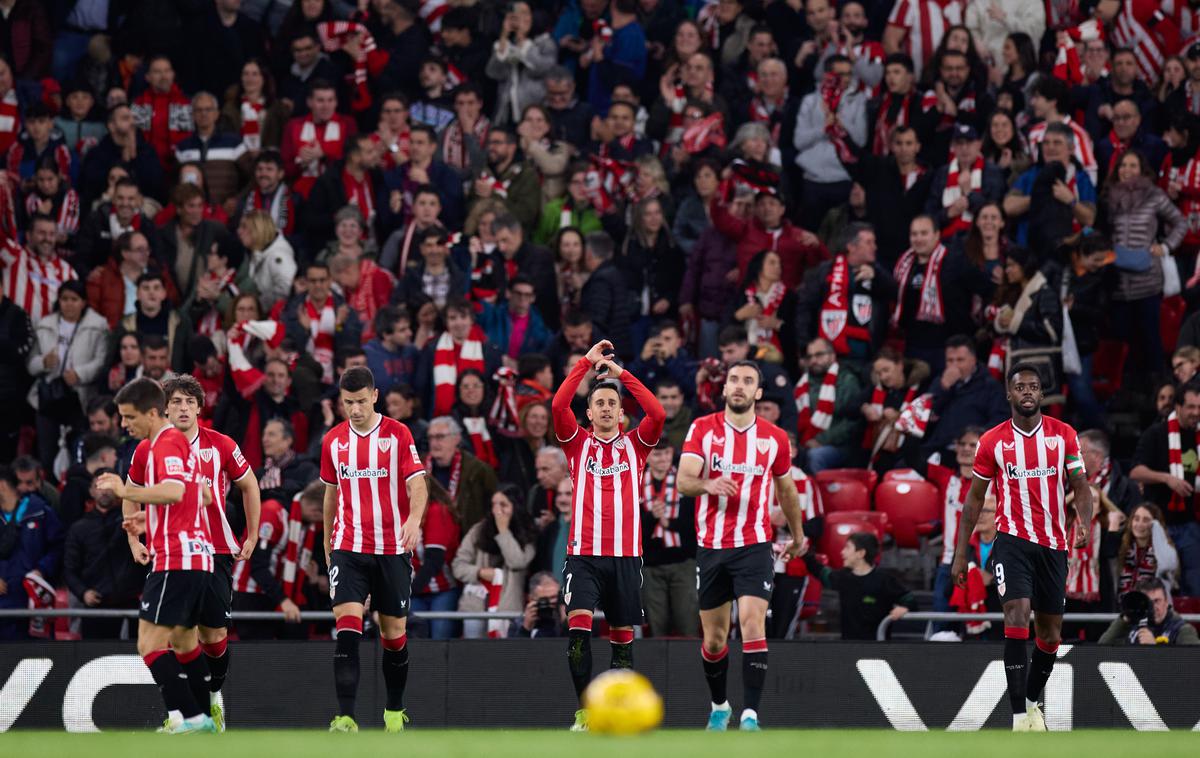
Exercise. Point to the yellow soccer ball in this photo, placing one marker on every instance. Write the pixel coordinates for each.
(621, 701)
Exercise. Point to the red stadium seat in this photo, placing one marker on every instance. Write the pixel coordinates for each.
(911, 508)
(1108, 366)
(1170, 320)
(864, 475)
(839, 526)
(847, 495)
(902, 475)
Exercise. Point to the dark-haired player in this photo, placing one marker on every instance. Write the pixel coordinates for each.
(374, 500)
(735, 465)
(165, 478)
(604, 565)
(1030, 462)
(220, 462)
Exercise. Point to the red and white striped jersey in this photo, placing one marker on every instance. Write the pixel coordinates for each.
(177, 533)
(441, 531)
(926, 22)
(1149, 32)
(1029, 472)
(954, 489)
(370, 471)
(1084, 152)
(272, 535)
(220, 463)
(32, 283)
(811, 506)
(751, 457)
(1186, 17)
(606, 513)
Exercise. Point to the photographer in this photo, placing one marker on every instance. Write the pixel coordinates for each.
(1147, 619)
(545, 616)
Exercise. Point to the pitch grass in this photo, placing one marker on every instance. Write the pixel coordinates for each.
(491, 743)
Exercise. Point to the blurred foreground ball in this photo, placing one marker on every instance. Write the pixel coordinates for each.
(622, 702)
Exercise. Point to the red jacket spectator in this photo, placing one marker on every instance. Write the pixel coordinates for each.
(306, 131)
(106, 291)
(798, 249)
(165, 119)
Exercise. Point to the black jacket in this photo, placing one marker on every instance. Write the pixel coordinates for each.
(537, 263)
(660, 269)
(881, 291)
(607, 299)
(977, 401)
(16, 340)
(890, 207)
(328, 196)
(97, 558)
(145, 169)
(75, 493)
(94, 244)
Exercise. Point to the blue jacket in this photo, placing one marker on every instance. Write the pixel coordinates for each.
(390, 368)
(39, 546)
(624, 63)
(495, 321)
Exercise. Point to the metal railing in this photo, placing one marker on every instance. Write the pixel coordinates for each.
(132, 613)
(931, 616)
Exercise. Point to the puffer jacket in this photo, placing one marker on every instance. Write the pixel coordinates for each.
(514, 559)
(273, 270)
(1037, 316)
(1137, 212)
(520, 73)
(86, 355)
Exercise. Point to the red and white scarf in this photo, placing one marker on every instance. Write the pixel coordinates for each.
(1119, 149)
(503, 414)
(763, 111)
(251, 124)
(1188, 201)
(953, 192)
(500, 188)
(322, 328)
(930, 308)
(1083, 566)
(1137, 564)
(914, 416)
(481, 439)
(455, 473)
(810, 424)
(834, 320)
(669, 495)
(770, 302)
(449, 360)
(116, 228)
(1101, 478)
(675, 106)
(883, 126)
(454, 151)
(210, 322)
(330, 134)
(490, 593)
(431, 12)
(334, 36)
(247, 378)
(911, 177)
(10, 120)
(67, 217)
(362, 196)
(566, 213)
(878, 397)
(832, 91)
(1175, 463)
(301, 538)
(278, 205)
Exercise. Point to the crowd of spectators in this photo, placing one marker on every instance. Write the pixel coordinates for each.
(882, 202)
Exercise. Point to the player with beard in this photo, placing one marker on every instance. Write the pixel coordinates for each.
(604, 549)
(1030, 461)
(734, 464)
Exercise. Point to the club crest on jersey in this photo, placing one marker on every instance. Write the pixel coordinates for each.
(729, 467)
(1051, 443)
(385, 444)
(206, 454)
(763, 446)
(1011, 470)
(594, 468)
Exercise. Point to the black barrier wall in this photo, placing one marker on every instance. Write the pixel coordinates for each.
(524, 683)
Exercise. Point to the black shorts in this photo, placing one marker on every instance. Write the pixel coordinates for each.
(386, 578)
(217, 604)
(173, 598)
(614, 585)
(1023, 569)
(727, 574)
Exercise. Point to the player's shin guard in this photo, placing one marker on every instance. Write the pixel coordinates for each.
(1015, 664)
(622, 649)
(345, 663)
(754, 672)
(579, 652)
(172, 683)
(395, 670)
(217, 654)
(716, 673)
(195, 667)
(1040, 667)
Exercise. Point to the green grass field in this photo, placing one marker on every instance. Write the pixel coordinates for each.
(547, 744)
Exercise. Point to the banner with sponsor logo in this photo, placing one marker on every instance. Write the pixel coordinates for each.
(88, 686)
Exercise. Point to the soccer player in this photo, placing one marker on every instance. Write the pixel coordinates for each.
(736, 464)
(604, 565)
(374, 501)
(1030, 461)
(220, 462)
(164, 477)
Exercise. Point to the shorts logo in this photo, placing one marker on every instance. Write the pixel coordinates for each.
(145, 606)
(206, 455)
(385, 445)
(763, 446)
(1000, 589)
(767, 586)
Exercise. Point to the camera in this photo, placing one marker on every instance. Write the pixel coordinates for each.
(546, 608)
(1136, 609)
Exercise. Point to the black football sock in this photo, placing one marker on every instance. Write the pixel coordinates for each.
(579, 656)
(395, 671)
(1044, 655)
(1015, 664)
(754, 672)
(195, 667)
(172, 683)
(218, 662)
(345, 663)
(716, 673)
(622, 649)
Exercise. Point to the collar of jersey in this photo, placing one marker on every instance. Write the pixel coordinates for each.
(743, 430)
(1017, 429)
(158, 434)
(614, 438)
(378, 423)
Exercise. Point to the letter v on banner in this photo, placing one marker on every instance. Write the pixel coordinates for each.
(1131, 697)
(20, 688)
(890, 696)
